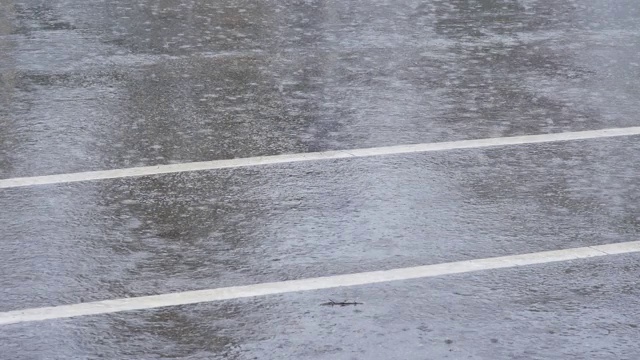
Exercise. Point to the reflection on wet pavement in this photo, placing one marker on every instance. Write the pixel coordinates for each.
(92, 84)
(97, 85)
(152, 235)
(531, 312)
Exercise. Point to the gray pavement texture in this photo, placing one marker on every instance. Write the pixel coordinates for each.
(538, 312)
(94, 85)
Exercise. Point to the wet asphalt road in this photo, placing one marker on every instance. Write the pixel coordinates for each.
(91, 85)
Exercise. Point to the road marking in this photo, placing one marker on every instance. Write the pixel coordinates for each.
(235, 292)
(325, 155)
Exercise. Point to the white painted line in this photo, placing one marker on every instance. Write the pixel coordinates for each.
(235, 292)
(338, 154)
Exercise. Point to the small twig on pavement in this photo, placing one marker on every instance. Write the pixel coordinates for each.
(341, 303)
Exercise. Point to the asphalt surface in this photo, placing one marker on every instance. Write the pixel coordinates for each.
(585, 310)
(93, 85)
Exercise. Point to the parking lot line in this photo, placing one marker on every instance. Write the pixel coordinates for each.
(337, 154)
(235, 292)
